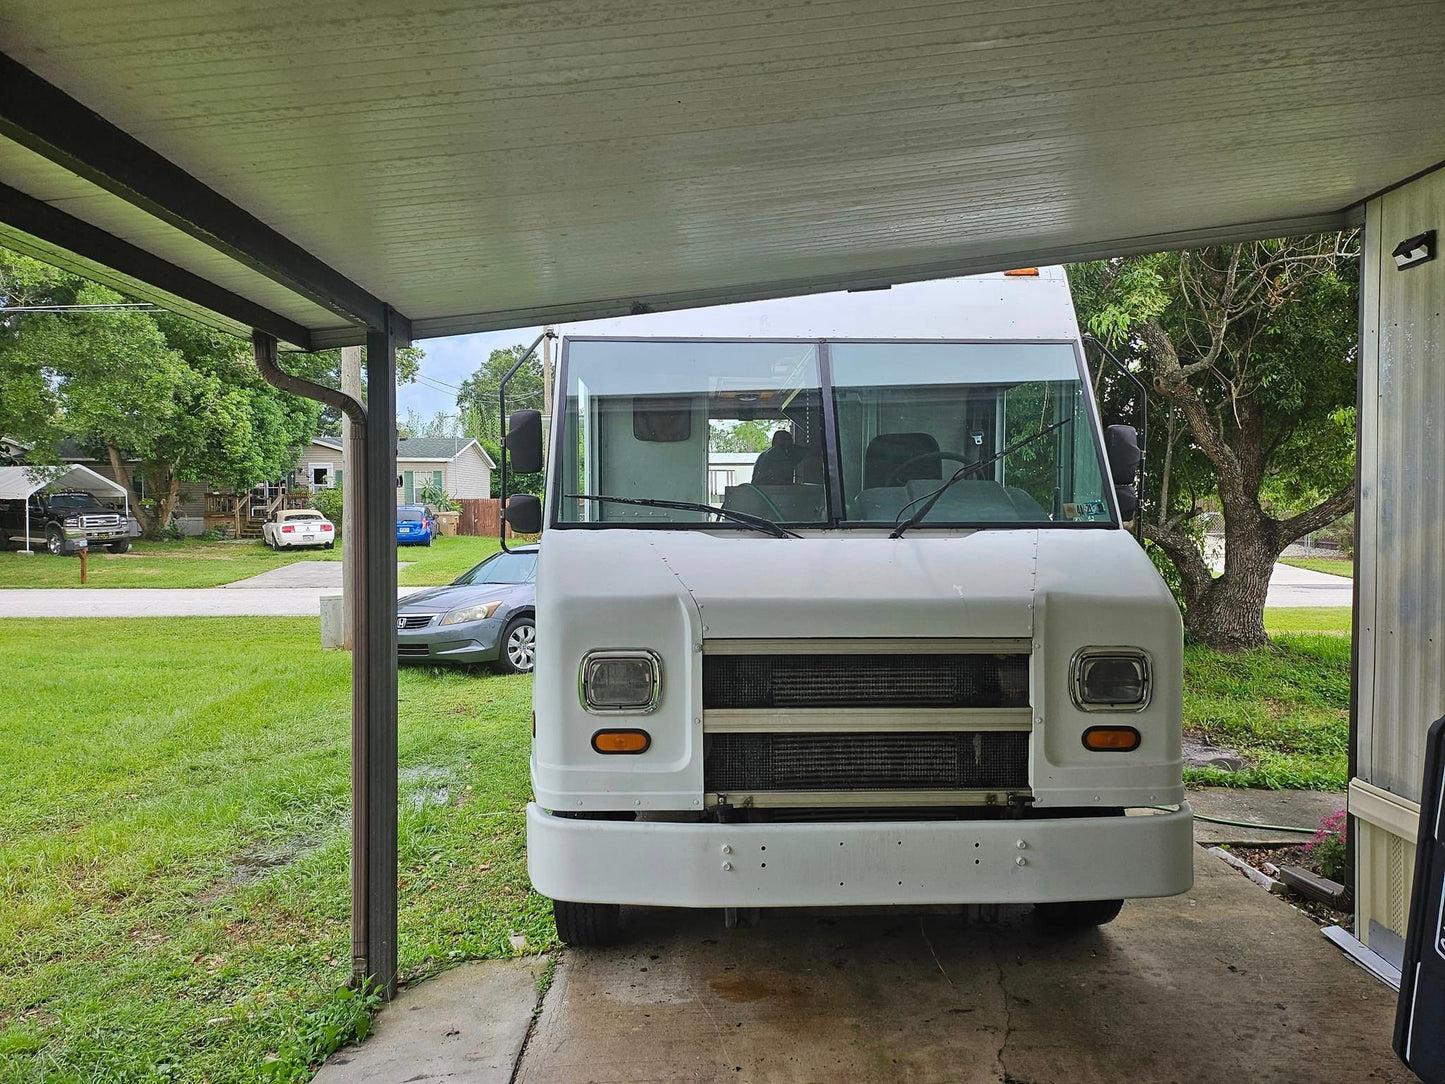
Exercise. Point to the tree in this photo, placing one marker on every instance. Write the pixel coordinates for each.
(480, 410)
(740, 436)
(131, 385)
(1250, 352)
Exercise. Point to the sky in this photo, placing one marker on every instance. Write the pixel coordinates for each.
(984, 306)
(447, 363)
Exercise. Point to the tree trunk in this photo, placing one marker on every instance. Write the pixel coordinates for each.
(1229, 615)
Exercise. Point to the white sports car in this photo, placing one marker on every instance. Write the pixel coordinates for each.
(298, 527)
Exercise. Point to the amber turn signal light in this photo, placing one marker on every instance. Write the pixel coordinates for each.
(621, 741)
(1022, 273)
(1111, 739)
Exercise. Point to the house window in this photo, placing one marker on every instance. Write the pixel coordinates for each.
(320, 475)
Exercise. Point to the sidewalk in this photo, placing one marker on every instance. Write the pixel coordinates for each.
(170, 602)
(1290, 586)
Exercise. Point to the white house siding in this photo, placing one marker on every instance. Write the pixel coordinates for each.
(1400, 683)
(468, 476)
(420, 472)
(315, 455)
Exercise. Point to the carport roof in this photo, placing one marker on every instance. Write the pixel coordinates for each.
(495, 165)
(17, 483)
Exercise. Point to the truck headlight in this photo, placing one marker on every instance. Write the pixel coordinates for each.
(72, 521)
(1110, 679)
(469, 613)
(622, 681)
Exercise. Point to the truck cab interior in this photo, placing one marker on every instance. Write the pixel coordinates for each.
(771, 430)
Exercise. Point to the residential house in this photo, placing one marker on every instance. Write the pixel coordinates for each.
(459, 465)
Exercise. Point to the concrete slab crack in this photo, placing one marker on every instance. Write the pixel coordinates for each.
(1008, 1020)
(544, 987)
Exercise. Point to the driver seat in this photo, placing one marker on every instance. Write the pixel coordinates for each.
(889, 451)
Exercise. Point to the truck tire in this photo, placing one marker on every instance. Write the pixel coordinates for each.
(1077, 914)
(54, 540)
(584, 924)
(120, 545)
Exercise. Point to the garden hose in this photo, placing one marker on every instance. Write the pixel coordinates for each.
(1243, 824)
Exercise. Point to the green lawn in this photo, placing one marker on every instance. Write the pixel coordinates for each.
(191, 563)
(174, 843)
(1335, 566)
(1286, 619)
(1285, 707)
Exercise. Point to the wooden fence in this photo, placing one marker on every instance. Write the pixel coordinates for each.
(480, 517)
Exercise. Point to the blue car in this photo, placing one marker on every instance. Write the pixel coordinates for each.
(415, 525)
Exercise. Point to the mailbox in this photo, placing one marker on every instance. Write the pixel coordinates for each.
(1420, 1018)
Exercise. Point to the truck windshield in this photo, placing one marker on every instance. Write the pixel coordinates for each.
(73, 502)
(827, 434)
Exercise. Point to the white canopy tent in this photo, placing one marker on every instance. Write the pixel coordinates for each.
(20, 483)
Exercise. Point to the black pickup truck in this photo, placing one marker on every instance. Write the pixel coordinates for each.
(65, 522)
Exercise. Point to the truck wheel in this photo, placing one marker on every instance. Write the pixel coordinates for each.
(54, 540)
(519, 647)
(120, 546)
(1077, 914)
(583, 924)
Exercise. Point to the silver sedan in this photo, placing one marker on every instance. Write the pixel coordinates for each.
(487, 614)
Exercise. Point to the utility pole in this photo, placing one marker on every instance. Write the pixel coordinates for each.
(546, 387)
(351, 451)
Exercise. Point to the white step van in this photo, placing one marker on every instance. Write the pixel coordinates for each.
(836, 607)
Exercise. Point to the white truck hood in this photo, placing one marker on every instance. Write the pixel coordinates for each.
(980, 584)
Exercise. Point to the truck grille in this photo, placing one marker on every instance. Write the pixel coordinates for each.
(978, 760)
(92, 523)
(866, 681)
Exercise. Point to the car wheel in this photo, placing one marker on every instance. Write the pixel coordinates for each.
(519, 647)
(120, 546)
(54, 540)
(1077, 914)
(331, 545)
(582, 924)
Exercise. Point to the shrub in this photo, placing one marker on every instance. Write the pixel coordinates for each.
(329, 503)
(1327, 846)
(438, 498)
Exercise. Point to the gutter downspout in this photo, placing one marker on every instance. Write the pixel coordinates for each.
(364, 966)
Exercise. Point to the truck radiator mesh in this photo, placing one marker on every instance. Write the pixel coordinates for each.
(865, 681)
(978, 760)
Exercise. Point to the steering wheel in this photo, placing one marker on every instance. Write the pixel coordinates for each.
(894, 480)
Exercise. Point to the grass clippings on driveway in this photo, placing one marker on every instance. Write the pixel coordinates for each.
(191, 563)
(174, 844)
(1286, 707)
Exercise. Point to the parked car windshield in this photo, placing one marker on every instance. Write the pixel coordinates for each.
(73, 502)
(515, 567)
(741, 424)
(410, 514)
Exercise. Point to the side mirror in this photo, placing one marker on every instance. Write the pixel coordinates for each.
(1128, 502)
(1121, 445)
(524, 442)
(524, 511)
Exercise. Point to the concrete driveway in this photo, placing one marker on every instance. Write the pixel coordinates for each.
(293, 590)
(1225, 984)
(1290, 586)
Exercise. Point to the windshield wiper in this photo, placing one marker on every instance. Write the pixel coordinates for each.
(931, 499)
(757, 523)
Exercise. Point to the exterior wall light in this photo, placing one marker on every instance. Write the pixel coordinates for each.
(1414, 251)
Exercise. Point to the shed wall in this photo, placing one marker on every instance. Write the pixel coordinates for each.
(1401, 525)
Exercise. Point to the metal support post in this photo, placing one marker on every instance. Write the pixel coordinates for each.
(373, 660)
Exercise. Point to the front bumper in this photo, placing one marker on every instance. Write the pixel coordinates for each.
(1041, 860)
(475, 641)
